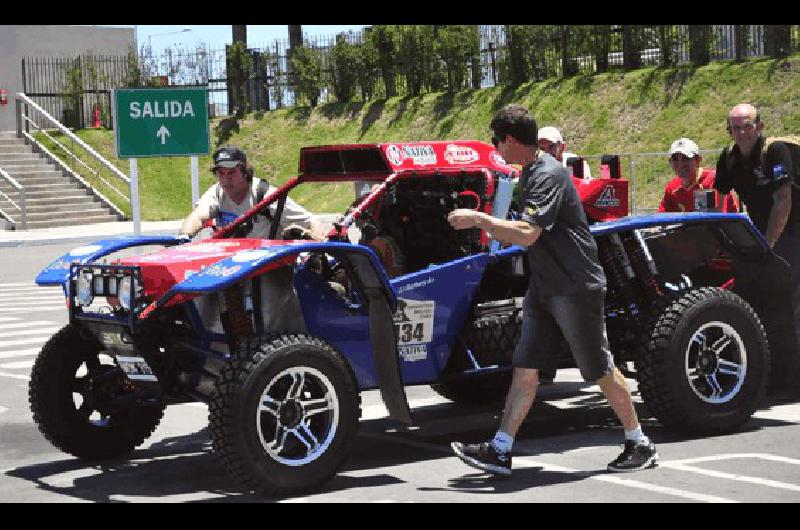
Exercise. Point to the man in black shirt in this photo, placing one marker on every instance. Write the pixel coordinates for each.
(765, 184)
(565, 297)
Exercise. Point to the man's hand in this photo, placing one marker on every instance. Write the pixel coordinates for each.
(462, 218)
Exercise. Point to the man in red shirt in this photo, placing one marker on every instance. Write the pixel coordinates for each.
(691, 181)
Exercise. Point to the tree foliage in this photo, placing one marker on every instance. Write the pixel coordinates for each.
(307, 66)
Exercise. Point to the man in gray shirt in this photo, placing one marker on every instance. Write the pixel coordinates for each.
(565, 297)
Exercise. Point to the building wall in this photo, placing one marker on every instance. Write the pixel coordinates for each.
(17, 42)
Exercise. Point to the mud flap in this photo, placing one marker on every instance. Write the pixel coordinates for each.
(384, 343)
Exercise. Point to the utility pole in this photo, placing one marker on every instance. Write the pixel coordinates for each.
(235, 98)
(295, 41)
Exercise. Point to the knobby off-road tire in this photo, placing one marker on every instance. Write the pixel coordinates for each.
(64, 403)
(284, 413)
(704, 366)
(492, 340)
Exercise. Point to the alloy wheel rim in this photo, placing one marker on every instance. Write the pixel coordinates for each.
(297, 416)
(716, 363)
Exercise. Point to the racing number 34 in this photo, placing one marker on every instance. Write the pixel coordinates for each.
(410, 332)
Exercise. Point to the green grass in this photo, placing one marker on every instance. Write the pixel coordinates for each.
(640, 111)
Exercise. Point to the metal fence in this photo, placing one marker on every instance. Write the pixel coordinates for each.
(550, 51)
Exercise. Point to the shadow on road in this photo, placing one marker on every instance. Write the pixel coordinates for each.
(183, 469)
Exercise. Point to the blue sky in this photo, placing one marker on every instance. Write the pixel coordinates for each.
(217, 35)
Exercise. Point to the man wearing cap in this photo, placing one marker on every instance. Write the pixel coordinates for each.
(689, 187)
(551, 141)
(237, 191)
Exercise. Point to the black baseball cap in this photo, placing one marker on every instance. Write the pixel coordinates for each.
(229, 156)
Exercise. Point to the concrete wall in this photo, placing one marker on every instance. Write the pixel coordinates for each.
(17, 42)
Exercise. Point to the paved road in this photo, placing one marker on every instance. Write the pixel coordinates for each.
(560, 454)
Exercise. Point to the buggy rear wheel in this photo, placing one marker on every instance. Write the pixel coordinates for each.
(283, 414)
(705, 364)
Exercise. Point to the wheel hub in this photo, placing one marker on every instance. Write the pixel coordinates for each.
(290, 414)
(707, 362)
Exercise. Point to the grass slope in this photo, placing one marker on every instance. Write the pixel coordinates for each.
(634, 112)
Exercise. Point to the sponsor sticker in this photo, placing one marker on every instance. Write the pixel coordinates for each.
(252, 255)
(83, 251)
(497, 159)
(422, 155)
(413, 352)
(413, 323)
(136, 368)
(608, 198)
(394, 154)
(221, 270)
(459, 154)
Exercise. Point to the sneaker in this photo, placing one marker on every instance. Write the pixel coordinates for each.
(635, 457)
(483, 456)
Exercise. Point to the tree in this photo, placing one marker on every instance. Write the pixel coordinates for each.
(345, 58)
(307, 67)
(240, 66)
(777, 41)
(699, 45)
(383, 39)
(456, 45)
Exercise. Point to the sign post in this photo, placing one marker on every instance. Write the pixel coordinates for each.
(160, 122)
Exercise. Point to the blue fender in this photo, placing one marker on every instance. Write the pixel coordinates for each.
(57, 272)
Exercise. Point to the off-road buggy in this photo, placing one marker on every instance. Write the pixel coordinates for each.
(687, 295)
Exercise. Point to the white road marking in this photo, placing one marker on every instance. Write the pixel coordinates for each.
(19, 353)
(32, 303)
(28, 332)
(9, 319)
(789, 413)
(3, 409)
(31, 324)
(15, 376)
(528, 462)
(16, 365)
(40, 340)
(17, 284)
(684, 465)
(61, 306)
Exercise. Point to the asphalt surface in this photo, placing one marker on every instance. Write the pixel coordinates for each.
(560, 454)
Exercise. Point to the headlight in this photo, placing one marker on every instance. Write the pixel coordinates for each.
(84, 294)
(124, 290)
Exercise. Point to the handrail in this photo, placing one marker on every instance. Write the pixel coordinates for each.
(70, 153)
(22, 97)
(21, 191)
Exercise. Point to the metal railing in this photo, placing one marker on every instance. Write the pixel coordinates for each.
(22, 207)
(26, 120)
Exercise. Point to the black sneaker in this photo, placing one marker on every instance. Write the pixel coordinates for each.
(635, 457)
(483, 456)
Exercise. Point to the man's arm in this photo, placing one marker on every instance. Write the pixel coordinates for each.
(507, 232)
(779, 214)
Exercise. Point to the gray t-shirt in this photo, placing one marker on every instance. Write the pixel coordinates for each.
(564, 258)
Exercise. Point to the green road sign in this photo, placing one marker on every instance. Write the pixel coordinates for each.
(150, 122)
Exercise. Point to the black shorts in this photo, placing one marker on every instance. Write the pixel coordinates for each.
(580, 319)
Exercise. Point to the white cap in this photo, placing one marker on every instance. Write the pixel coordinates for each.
(684, 146)
(552, 134)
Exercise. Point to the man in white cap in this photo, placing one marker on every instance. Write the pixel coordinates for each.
(551, 141)
(692, 182)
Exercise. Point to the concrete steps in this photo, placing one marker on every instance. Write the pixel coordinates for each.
(52, 198)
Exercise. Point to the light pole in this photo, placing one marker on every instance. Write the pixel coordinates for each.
(149, 37)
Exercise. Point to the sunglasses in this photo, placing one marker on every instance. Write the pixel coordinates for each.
(496, 141)
(679, 158)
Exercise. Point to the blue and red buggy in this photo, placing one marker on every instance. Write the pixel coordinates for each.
(393, 297)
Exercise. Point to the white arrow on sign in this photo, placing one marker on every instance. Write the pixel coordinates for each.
(163, 132)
